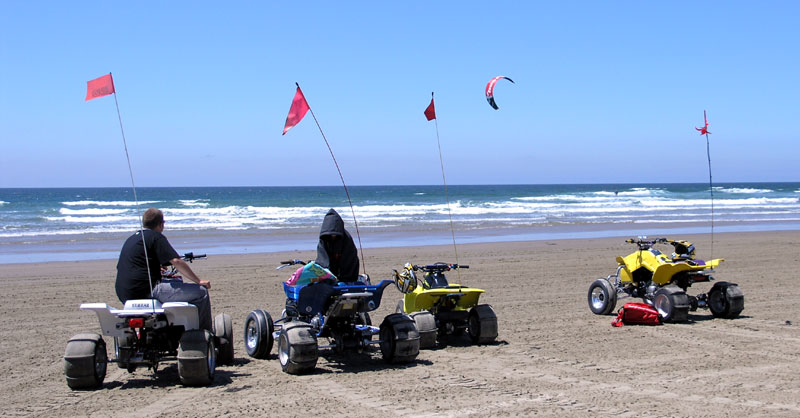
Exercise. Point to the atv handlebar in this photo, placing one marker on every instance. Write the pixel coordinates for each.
(439, 267)
(645, 243)
(291, 263)
(172, 272)
(190, 257)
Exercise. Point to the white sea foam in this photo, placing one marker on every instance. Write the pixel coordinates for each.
(130, 220)
(636, 191)
(569, 207)
(750, 201)
(107, 203)
(629, 205)
(194, 202)
(93, 211)
(93, 230)
(742, 190)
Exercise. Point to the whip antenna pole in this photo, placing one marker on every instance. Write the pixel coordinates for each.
(446, 195)
(711, 191)
(346, 192)
(704, 131)
(135, 199)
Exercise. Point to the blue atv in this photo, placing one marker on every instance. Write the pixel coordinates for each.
(335, 311)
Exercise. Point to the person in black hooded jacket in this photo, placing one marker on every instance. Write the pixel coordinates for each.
(336, 250)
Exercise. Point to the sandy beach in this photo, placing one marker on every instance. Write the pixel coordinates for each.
(553, 357)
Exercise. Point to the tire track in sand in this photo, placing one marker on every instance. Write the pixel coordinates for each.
(560, 376)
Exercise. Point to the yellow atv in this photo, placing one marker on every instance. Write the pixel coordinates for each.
(441, 309)
(662, 280)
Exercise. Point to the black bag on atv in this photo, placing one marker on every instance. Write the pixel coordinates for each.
(634, 313)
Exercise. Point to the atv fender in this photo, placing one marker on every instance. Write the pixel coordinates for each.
(426, 299)
(177, 313)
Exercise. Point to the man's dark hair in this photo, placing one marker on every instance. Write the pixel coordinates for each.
(152, 218)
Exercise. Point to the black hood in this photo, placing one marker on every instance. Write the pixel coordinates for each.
(339, 255)
(332, 224)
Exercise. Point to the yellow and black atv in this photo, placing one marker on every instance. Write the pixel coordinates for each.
(439, 308)
(662, 280)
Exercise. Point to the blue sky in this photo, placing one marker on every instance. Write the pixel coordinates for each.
(606, 91)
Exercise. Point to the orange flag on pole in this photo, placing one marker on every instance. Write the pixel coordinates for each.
(297, 111)
(99, 87)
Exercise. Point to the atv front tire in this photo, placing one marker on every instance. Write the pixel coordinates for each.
(85, 361)
(399, 339)
(426, 327)
(197, 358)
(482, 324)
(297, 348)
(602, 297)
(223, 329)
(258, 328)
(672, 304)
(725, 300)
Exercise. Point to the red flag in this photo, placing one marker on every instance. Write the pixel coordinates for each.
(99, 87)
(430, 111)
(297, 111)
(704, 129)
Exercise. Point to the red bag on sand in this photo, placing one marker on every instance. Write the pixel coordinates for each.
(634, 313)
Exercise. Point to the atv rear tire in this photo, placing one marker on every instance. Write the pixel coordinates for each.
(672, 304)
(426, 327)
(223, 329)
(297, 348)
(602, 297)
(85, 361)
(258, 328)
(399, 339)
(725, 300)
(482, 324)
(197, 358)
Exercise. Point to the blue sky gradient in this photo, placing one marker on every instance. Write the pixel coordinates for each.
(606, 92)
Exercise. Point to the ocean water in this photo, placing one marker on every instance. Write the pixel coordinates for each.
(88, 223)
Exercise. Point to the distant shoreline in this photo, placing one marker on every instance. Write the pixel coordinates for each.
(215, 242)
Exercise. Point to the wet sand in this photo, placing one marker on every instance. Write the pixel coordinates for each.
(553, 356)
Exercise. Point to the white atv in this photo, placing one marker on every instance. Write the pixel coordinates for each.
(147, 332)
